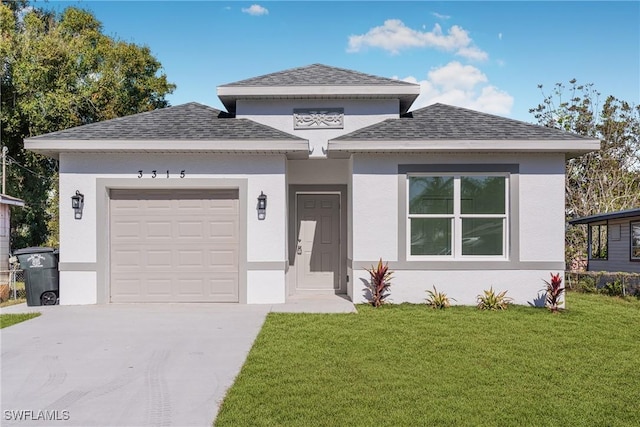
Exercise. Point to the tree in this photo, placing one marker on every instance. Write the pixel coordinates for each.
(601, 181)
(60, 71)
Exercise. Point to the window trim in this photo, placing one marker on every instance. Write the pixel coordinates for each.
(457, 217)
(631, 257)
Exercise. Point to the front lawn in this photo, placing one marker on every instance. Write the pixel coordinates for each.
(408, 365)
(12, 319)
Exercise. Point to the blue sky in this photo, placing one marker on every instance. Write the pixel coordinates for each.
(488, 56)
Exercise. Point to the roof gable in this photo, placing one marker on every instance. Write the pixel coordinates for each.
(318, 81)
(317, 75)
(192, 121)
(447, 122)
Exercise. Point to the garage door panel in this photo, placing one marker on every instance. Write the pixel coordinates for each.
(159, 258)
(223, 288)
(159, 230)
(223, 230)
(126, 286)
(174, 246)
(190, 229)
(159, 287)
(191, 287)
(190, 258)
(126, 230)
(128, 258)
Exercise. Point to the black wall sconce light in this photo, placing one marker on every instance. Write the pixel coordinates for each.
(77, 203)
(262, 206)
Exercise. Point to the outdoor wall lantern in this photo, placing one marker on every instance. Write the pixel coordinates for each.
(262, 206)
(77, 203)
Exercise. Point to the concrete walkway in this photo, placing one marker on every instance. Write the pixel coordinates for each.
(130, 364)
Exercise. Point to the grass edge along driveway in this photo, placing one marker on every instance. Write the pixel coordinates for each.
(407, 365)
(8, 319)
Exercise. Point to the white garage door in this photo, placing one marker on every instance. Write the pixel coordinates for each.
(174, 245)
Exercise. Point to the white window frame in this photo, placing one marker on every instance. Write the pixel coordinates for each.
(457, 216)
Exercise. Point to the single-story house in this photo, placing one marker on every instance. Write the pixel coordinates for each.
(311, 175)
(613, 241)
(6, 202)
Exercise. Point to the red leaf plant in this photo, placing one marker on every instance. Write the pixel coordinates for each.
(554, 292)
(379, 284)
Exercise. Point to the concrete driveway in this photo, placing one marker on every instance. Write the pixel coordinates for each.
(131, 364)
(124, 365)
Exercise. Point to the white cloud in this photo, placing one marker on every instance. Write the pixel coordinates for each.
(394, 36)
(255, 10)
(472, 52)
(440, 16)
(461, 85)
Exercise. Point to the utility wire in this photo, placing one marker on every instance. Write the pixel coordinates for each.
(14, 161)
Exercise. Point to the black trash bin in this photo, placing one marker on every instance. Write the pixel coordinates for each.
(41, 274)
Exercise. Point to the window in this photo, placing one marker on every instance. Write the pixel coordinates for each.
(598, 237)
(635, 241)
(457, 216)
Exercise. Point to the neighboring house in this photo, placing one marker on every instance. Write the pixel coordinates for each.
(613, 241)
(172, 198)
(5, 233)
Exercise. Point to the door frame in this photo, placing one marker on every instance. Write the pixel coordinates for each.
(294, 190)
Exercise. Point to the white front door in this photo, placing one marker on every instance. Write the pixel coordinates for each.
(318, 258)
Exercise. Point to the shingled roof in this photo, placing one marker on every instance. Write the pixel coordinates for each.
(318, 81)
(317, 75)
(192, 121)
(446, 122)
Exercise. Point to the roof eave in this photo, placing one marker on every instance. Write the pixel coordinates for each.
(293, 149)
(10, 200)
(630, 213)
(571, 148)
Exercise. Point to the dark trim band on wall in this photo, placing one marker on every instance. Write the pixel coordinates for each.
(78, 266)
(266, 265)
(464, 265)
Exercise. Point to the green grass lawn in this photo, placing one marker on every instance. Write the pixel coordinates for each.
(12, 319)
(408, 365)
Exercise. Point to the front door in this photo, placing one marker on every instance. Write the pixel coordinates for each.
(318, 257)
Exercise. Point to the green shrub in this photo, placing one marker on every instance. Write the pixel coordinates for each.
(492, 301)
(613, 289)
(438, 300)
(587, 285)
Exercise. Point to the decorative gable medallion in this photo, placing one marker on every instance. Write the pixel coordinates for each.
(318, 118)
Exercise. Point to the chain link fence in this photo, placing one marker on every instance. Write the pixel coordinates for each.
(12, 285)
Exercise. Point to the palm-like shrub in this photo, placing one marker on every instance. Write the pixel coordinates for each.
(554, 292)
(489, 300)
(379, 284)
(438, 300)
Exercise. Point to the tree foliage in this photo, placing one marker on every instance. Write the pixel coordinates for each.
(601, 181)
(60, 71)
